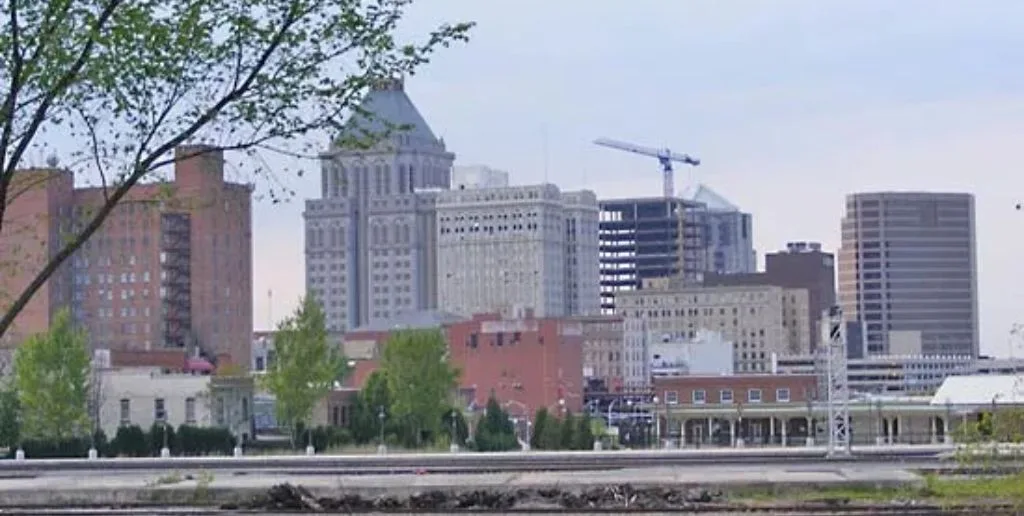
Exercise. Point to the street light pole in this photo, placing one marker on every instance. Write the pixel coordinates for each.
(381, 449)
(454, 446)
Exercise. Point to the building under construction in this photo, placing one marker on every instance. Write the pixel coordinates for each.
(650, 238)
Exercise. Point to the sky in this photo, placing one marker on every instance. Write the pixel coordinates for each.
(790, 105)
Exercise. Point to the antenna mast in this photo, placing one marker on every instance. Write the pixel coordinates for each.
(834, 337)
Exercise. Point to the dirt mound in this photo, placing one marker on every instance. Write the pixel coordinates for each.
(288, 497)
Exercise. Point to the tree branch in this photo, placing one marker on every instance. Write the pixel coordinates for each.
(139, 170)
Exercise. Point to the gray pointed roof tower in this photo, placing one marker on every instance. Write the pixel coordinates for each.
(388, 118)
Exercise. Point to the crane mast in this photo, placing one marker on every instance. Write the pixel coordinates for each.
(665, 157)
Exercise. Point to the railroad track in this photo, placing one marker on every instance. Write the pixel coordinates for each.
(475, 462)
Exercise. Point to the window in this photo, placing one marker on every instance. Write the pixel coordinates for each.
(190, 411)
(672, 397)
(754, 396)
(159, 412)
(259, 364)
(725, 396)
(126, 412)
(700, 396)
(782, 395)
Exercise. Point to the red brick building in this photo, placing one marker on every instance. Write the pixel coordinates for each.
(735, 389)
(527, 363)
(171, 266)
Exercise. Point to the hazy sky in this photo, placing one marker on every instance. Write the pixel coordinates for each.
(790, 104)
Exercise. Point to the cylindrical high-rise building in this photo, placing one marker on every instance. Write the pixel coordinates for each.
(908, 271)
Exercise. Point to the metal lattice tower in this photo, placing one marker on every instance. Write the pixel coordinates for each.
(837, 380)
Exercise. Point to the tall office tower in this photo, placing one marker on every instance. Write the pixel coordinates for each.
(468, 177)
(582, 250)
(371, 237)
(500, 249)
(648, 238)
(908, 271)
(730, 237)
(802, 265)
(171, 267)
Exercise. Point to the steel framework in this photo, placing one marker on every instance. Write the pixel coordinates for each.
(834, 336)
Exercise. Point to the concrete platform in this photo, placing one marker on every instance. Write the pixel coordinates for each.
(206, 488)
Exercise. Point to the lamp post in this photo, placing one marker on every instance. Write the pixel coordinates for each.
(809, 439)
(526, 418)
(165, 452)
(310, 449)
(947, 426)
(454, 447)
(657, 421)
(381, 448)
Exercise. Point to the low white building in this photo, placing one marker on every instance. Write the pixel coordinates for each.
(707, 354)
(144, 396)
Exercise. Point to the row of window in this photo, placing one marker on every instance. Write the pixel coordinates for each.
(725, 396)
(159, 411)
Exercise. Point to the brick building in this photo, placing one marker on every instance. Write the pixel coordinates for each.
(171, 266)
(733, 410)
(526, 362)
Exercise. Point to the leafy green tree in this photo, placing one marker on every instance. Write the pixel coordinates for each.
(365, 421)
(541, 422)
(306, 366)
(52, 373)
(567, 436)
(495, 432)
(420, 380)
(584, 433)
(127, 81)
(551, 435)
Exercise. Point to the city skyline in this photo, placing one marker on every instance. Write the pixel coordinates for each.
(799, 93)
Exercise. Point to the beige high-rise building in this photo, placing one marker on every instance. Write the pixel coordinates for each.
(908, 266)
(759, 319)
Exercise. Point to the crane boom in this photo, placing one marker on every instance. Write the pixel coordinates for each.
(664, 156)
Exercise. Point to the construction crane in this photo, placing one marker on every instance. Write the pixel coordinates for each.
(665, 157)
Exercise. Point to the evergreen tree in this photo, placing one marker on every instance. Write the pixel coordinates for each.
(365, 421)
(566, 439)
(495, 432)
(584, 433)
(541, 421)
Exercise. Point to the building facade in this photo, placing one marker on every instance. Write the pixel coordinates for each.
(517, 247)
(649, 238)
(371, 237)
(729, 235)
(758, 320)
(908, 263)
(708, 353)
(144, 396)
(171, 266)
(526, 362)
(802, 265)
(603, 350)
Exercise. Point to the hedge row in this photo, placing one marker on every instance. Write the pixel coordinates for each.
(133, 441)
